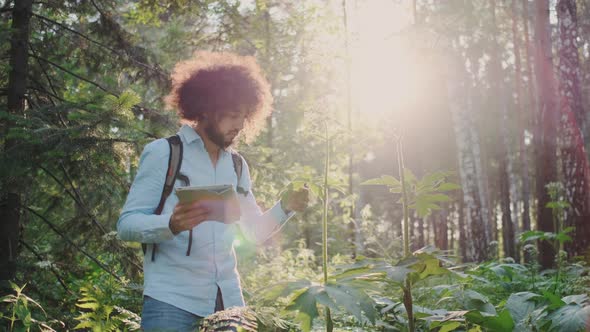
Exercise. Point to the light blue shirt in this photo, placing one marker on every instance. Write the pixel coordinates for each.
(190, 282)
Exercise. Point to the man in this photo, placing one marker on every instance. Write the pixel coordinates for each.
(190, 264)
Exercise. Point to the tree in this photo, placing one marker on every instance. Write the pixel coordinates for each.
(10, 202)
(574, 159)
(468, 148)
(545, 134)
(505, 170)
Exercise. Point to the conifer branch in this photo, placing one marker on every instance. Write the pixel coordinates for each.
(53, 270)
(110, 49)
(70, 242)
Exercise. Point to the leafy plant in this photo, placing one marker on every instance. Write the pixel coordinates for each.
(423, 196)
(342, 292)
(556, 239)
(101, 315)
(18, 311)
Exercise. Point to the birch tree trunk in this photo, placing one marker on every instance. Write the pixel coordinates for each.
(468, 150)
(574, 161)
(546, 123)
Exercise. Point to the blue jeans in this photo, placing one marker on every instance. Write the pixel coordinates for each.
(161, 316)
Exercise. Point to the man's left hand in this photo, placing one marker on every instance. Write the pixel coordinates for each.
(296, 200)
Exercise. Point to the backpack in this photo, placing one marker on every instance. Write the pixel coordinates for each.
(173, 173)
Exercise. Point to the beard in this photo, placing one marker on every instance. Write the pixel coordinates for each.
(217, 137)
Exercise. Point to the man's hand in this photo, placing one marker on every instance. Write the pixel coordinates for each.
(186, 216)
(296, 200)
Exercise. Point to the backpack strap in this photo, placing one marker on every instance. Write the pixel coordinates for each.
(174, 163)
(238, 165)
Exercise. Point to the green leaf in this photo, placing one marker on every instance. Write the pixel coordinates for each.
(474, 300)
(554, 300)
(384, 180)
(448, 186)
(521, 304)
(580, 299)
(344, 298)
(491, 322)
(434, 198)
(570, 318)
(273, 292)
(84, 325)
(562, 237)
(410, 177)
(432, 179)
(449, 326)
(568, 229)
(531, 236)
(304, 302)
(353, 300)
(88, 305)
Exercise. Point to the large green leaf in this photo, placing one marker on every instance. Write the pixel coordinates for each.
(570, 318)
(501, 323)
(554, 300)
(474, 300)
(366, 303)
(345, 298)
(521, 304)
(304, 301)
(273, 292)
(384, 180)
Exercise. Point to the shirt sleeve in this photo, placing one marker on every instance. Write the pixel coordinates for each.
(138, 222)
(255, 224)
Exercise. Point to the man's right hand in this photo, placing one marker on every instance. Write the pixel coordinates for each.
(186, 216)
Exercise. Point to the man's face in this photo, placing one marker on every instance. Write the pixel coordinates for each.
(224, 131)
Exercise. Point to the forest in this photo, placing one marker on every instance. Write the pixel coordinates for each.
(444, 145)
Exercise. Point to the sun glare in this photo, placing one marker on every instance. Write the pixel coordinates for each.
(386, 74)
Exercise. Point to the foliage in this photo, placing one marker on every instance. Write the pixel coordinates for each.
(101, 315)
(17, 312)
(97, 72)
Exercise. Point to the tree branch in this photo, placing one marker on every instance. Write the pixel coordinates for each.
(65, 237)
(65, 27)
(75, 75)
(78, 200)
(63, 284)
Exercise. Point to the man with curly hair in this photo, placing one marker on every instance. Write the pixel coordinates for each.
(218, 96)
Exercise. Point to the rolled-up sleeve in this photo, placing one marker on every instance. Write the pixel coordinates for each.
(138, 221)
(255, 224)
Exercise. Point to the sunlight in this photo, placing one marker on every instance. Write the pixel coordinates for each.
(385, 74)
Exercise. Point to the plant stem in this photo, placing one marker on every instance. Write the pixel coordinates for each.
(408, 301)
(325, 216)
(329, 325)
(400, 163)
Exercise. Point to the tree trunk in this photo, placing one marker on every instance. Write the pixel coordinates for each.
(522, 119)
(470, 168)
(503, 150)
(421, 232)
(530, 111)
(439, 223)
(545, 129)
(353, 232)
(574, 160)
(17, 84)
(462, 230)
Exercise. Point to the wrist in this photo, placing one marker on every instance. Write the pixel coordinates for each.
(284, 208)
(172, 228)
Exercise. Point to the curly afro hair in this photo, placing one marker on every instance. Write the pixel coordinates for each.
(214, 83)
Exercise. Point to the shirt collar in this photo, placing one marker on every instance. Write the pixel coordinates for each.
(189, 134)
